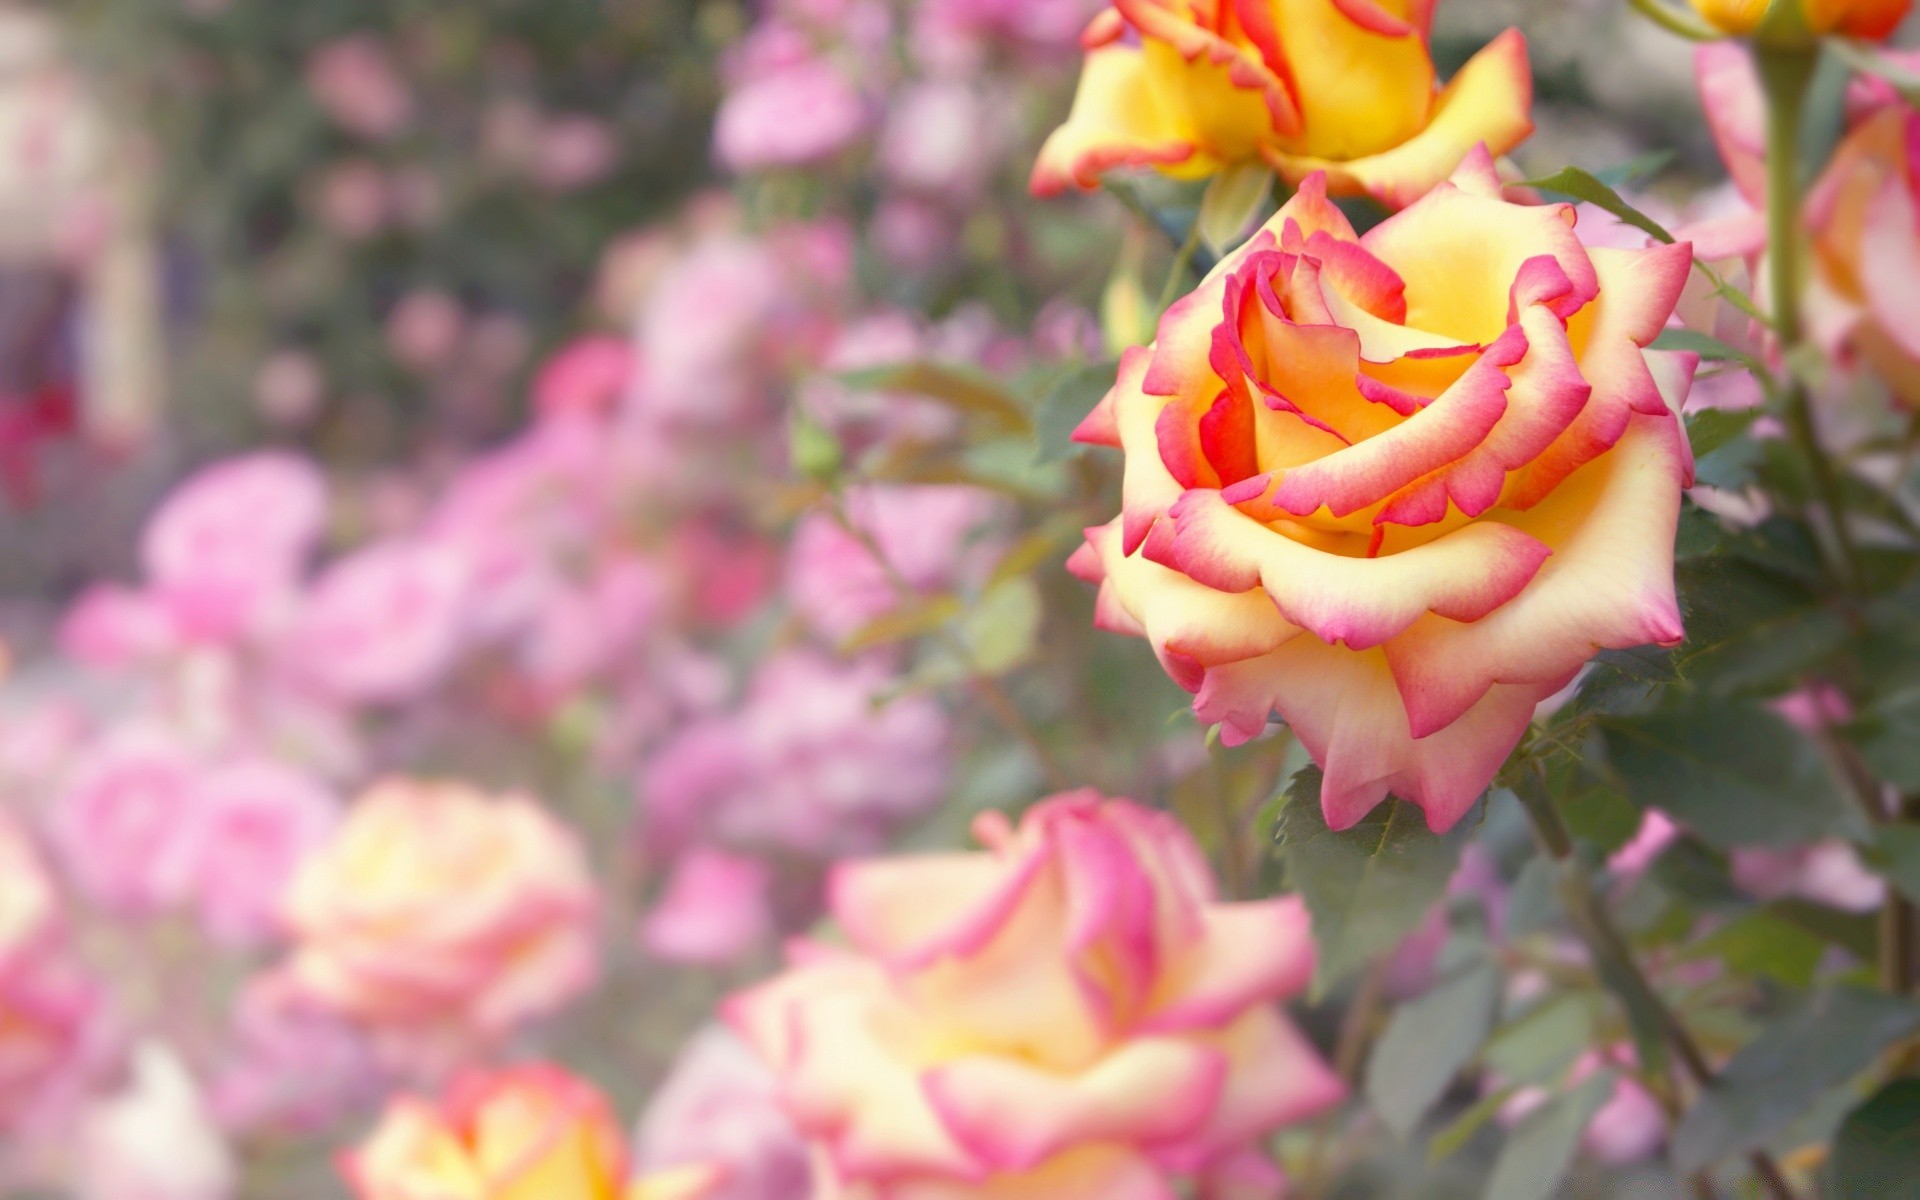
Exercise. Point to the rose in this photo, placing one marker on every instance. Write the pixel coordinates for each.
(714, 909)
(1873, 19)
(381, 625)
(230, 543)
(1863, 214)
(1400, 487)
(249, 825)
(718, 1114)
(436, 907)
(117, 824)
(526, 1133)
(1073, 1014)
(1340, 86)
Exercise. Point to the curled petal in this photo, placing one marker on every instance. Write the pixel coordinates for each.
(1118, 119)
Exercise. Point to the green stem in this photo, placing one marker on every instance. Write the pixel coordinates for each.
(1182, 264)
(1605, 942)
(1786, 73)
(1675, 21)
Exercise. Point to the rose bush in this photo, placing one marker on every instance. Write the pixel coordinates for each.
(1073, 1013)
(1339, 87)
(1399, 487)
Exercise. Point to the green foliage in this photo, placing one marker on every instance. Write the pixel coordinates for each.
(1067, 403)
(1541, 1147)
(1428, 1041)
(1369, 886)
(1821, 1041)
(1876, 1155)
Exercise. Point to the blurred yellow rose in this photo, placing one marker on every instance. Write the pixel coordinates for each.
(1853, 18)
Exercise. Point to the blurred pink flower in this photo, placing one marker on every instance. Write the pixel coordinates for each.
(381, 625)
(57, 1039)
(941, 137)
(1119, 1021)
(587, 377)
(714, 909)
(155, 1139)
(289, 388)
(425, 329)
(436, 915)
(351, 198)
(573, 152)
(1828, 872)
(913, 232)
(720, 1108)
(922, 531)
(110, 627)
(118, 822)
(1629, 1127)
(807, 762)
(291, 1070)
(1657, 831)
(697, 332)
(226, 549)
(591, 629)
(353, 79)
(249, 827)
(792, 116)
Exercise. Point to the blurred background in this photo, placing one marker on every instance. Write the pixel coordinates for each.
(520, 392)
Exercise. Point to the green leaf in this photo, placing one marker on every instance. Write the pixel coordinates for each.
(1888, 735)
(816, 452)
(1764, 943)
(1732, 772)
(1232, 201)
(1621, 681)
(1713, 350)
(1065, 405)
(1711, 428)
(1876, 1154)
(1002, 630)
(1580, 185)
(1542, 1146)
(1369, 886)
(1540, 1044)
(1649, 164)
(963, 388)
(906, 621)
(1822, 1041)
(1426, 1043)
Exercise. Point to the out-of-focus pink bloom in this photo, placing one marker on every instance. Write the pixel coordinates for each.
(714, 909)
(586, 378)
(118, 822)
(351, 198)
(425, 329)
(790, 117)
(574, 151)
(729, 572)
(437, 914)
(720, 1108)
(381, 625)
(697, 331)
(1828, 872)
(1072, 1013)
(1064, 330)
(913, 232)
(57, 1038)
(941, 137)
(354, 81)
(289, 388)
(497, 344)
(590, 630)
(291, 1070)
(249, 827)
(39, 741)
(954, 36)
(155, 1140)
(923, 532)
(860, 417)
(1813, 708)
(27, 908)
(1657, 831)
(227, 548)
(1629, 1127)
(111, 627)
(807, 762)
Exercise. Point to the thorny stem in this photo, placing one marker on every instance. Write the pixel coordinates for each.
(1595, 927)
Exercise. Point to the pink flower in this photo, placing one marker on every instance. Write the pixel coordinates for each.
(118, 823)
(923, 532)
(27, 903)
(225, 550)
(941, 137)
(1072, 1014)
(437, 912)
(789, 117)
(250, 826)
(714, 909)
(807, 762)
(1828, 872)
(424, 330)
(587, 378)
(351, 197)
(1629, 1127)
(720, 1108)
(382, 625)
(574, 152)
(110, 627)
(57, 1038)
(1657, 831)
(291, 1070)
(354, 81)
(698, 331)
